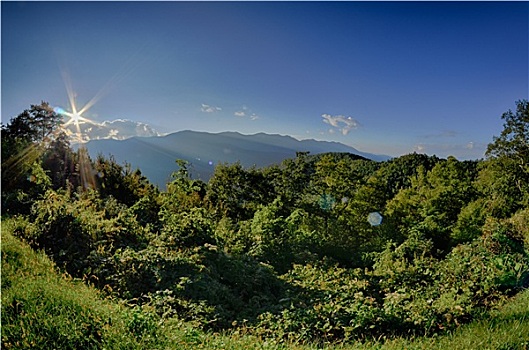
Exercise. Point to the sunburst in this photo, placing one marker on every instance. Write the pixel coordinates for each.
(76, 118)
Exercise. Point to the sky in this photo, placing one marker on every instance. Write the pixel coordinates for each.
(384, 77)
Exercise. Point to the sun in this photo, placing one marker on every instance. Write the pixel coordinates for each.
(75, 118)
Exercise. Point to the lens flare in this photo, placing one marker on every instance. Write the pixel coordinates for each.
(59, 110)
(76, 116)
(374, 218)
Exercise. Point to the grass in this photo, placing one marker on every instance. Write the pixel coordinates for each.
(43, 309)
(504, 328)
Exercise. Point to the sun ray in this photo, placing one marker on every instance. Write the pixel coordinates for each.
(76, 116)
(69, 89)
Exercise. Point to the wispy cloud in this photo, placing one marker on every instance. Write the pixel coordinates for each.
(442, 134)
(469, 150)
(209, 109)
(244, 112)
(342, 123)
(420, 148)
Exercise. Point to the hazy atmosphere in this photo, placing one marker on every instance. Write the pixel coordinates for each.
(387, 78)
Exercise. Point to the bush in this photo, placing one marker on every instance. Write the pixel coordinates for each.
(81, 231)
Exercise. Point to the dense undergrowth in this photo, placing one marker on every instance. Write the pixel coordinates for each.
(321, 250)
(43, 308)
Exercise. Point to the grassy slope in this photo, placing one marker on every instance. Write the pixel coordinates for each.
(505, 328)
(42, 309)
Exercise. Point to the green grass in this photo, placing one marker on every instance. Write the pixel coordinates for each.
(505, 328)
(43, 309)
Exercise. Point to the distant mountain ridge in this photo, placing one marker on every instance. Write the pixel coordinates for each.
(155, 156)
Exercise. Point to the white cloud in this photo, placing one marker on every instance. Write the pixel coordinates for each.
(342, 123)
(118, 129)
(209, 109)
(244, 112)
(470, 150)
(419, 148)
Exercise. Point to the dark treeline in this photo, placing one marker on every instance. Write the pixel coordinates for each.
(285, 251)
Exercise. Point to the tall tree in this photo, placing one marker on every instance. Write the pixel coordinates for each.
(514, 139)
(24, 140)
(504, 178)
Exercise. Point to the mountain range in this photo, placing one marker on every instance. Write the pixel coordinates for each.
(155, 156)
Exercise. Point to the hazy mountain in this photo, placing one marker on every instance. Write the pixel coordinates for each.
(119, 129)
(156, 156)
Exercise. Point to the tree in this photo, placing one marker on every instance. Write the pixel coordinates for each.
(24, 140)
(291, 180)
(236, 192)
(434, 201)
(34, 125)
(504, 177)
(183, 193)
(514, 139)
(121, 182)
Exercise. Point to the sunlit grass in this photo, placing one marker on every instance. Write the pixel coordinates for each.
(43, 310)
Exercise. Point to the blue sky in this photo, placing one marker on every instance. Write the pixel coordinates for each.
(390, 78)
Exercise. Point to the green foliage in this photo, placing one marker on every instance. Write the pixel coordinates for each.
(24, 140)
(470, 220)
(397, 174)
(186, 229)
(121, 182)
(284, 254)
(41, 309)
(512, 141)
(505, 176)
(434, 201)
(236, 192)
(325, 303)
(61, 163)
(72, 228)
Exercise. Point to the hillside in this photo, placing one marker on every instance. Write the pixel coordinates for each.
(331, 250)
(155, 156)
(41, 308)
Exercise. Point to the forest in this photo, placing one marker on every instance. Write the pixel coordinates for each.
(321, 250)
